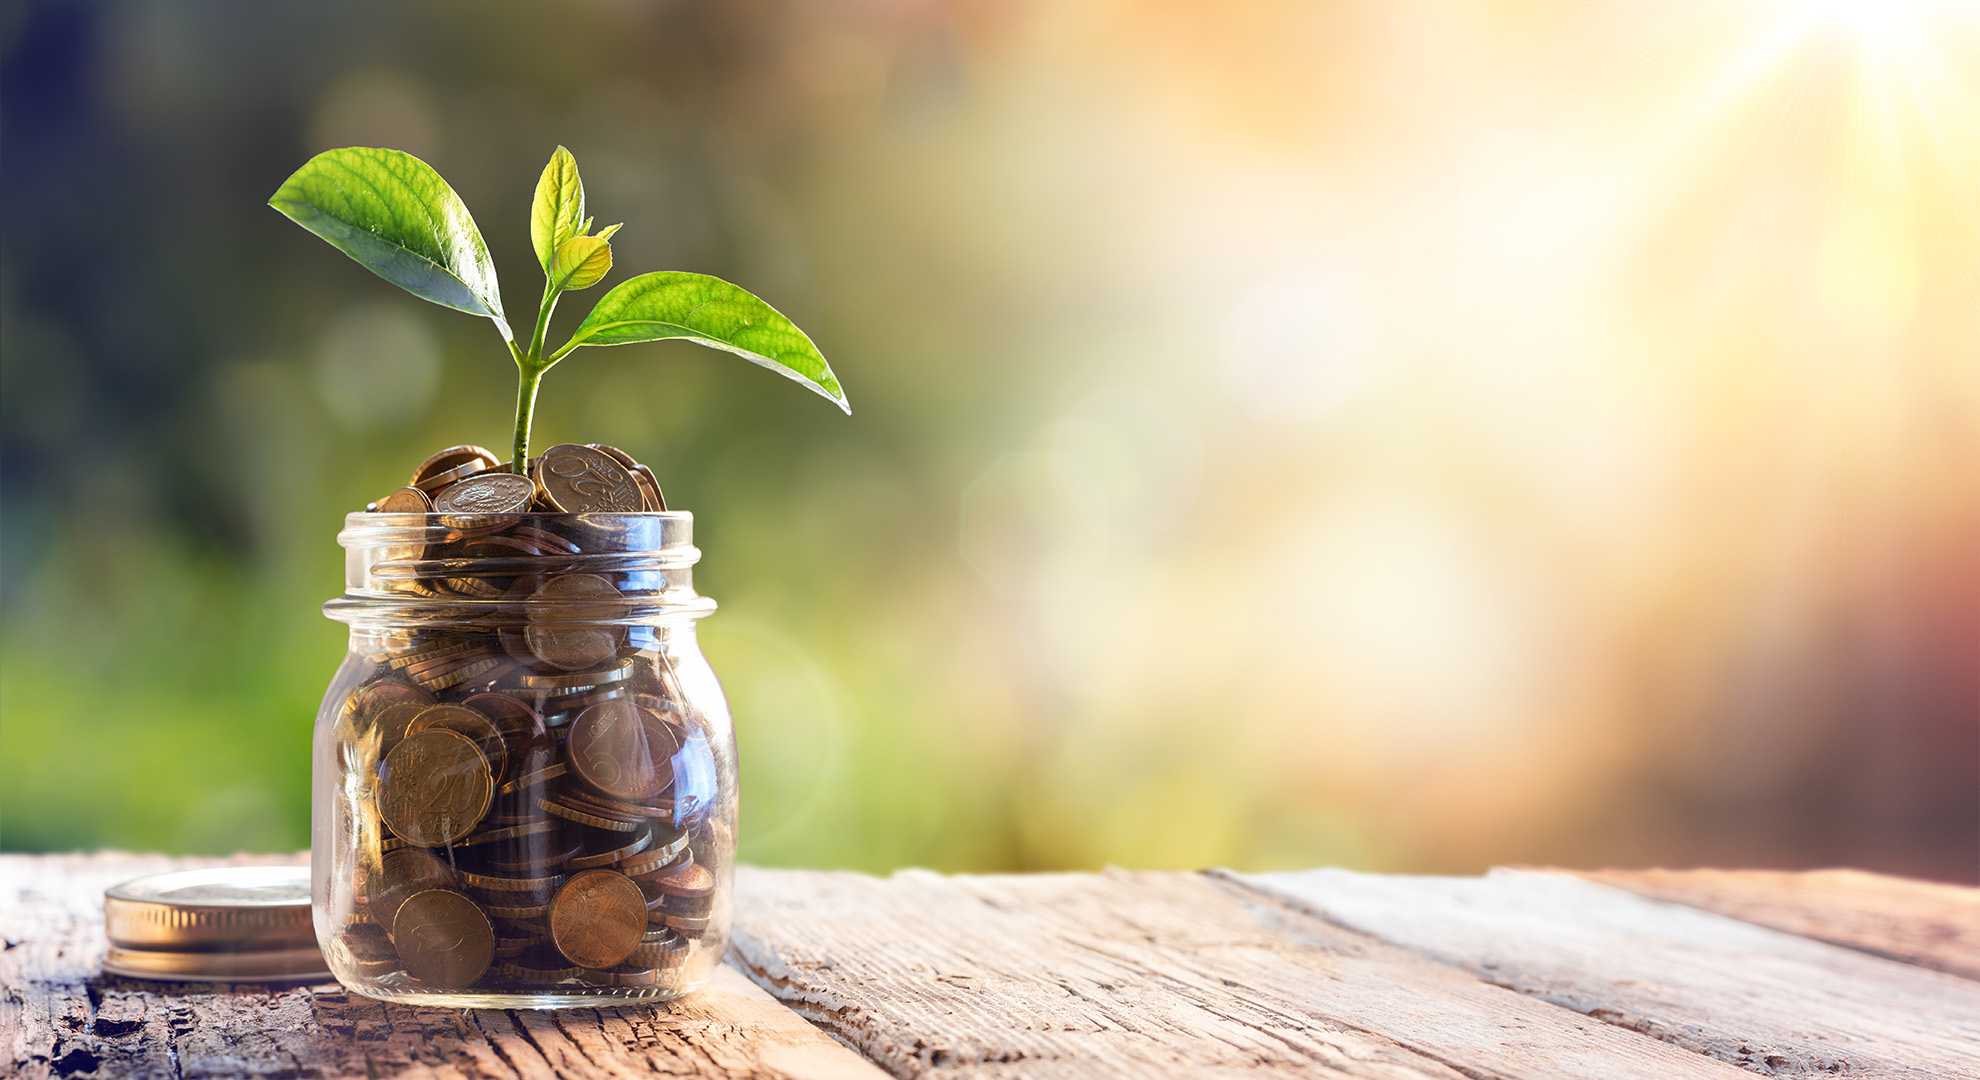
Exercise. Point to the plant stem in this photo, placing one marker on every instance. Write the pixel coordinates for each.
(526, 385)
(529, 374)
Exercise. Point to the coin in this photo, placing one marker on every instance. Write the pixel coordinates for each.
(535, 779)
(689, 879)
(406, 500)
(392, 720)
(662, 858)
(579, 480)
(495, 493)
(612, 855)
(513, 832)
(452, 459)
(444, 939)
(402, 873)
(571, 813)
(597, 918)
(468, 722)
(578, 681)
(434, 787)
(375, 696)
(622, 751)
(567, 618)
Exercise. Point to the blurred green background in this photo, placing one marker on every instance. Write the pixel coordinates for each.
(1401, 435)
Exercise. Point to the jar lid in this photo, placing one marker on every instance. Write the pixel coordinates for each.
(219, 924)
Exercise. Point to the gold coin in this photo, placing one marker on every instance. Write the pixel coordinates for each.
(443, 938)
(597, 918)
(406, 500)
(391, 723)
(577, 681)
(455, 676)
(470, 723)
(643, 865)
(579, 480)
(535, 779)
(490, 494)
(568, 813)
(434, 787)
(565, 616)
(451, 459)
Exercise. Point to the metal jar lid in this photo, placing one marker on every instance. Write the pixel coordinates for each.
(220, 924)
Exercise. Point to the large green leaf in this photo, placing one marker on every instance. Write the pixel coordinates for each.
(674, 304)
(390, 211)
(557, 214)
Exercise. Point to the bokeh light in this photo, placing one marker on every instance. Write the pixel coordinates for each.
(1405, 434)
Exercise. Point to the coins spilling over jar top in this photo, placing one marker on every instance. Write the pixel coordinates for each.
(534, 803)
(568, 478)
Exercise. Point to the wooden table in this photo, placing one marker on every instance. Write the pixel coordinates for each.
(1653, 974)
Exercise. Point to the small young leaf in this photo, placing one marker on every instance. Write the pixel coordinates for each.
(391, 212)
(607, 231)
(580, 263)
(672, 304)
(557, 214)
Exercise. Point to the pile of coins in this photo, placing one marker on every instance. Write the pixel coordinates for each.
(531, 798)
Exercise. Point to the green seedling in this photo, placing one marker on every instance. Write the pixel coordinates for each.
(395, 215)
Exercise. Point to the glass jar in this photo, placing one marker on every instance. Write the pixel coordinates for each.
(524, 770)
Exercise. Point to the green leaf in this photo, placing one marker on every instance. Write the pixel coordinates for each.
(674, 304)
(581, 262)
(606, 232)
(558, 212)
(391, 212)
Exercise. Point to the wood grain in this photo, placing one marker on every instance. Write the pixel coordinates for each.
(59, 1016)
(1919, 922)
(1770, 1002)
(1143, 975)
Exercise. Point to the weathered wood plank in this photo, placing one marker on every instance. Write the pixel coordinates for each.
(1773, 1003)
(60, 1017)
(1919, 922)
(1143, 975)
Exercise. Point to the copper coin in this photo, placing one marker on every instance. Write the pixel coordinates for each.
(540, 965)
(647, 865)
(401, 873)
(373, 697)
(368, 943)
(566, 621)
(492, 494)
(434, 787)
(690, 879)
(615, 454)
(521, 727)
(406, 500)
(597, 918)
(452, 459)
(579, 480)
(469, 722)
(622, 751)
(650, 489)
(450, 677)
(444, 939)
(549, 542)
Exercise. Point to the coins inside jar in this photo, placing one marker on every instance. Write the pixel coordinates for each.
(533, 803)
